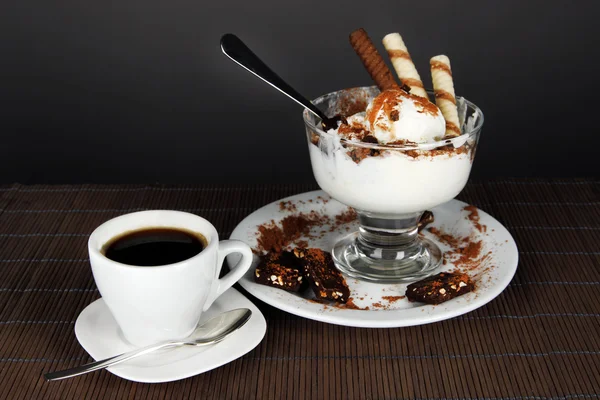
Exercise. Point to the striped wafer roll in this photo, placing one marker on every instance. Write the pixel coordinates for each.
(372, 60)
(403, 64)
(441, 74)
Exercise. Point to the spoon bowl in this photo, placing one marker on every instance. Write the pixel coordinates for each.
(218, 328)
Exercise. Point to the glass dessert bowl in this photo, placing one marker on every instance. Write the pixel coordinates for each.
(389, 186)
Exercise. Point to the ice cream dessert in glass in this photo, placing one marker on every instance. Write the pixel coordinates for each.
(394, 155)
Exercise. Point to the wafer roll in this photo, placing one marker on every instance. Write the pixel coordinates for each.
(405, 69)
(372, 60)
(441, 74)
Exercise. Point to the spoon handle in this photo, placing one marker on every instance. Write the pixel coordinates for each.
(235, 49)
(108, 362)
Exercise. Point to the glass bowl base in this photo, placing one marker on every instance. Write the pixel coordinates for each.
(386, 264)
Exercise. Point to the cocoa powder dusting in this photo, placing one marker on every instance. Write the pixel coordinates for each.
(276, 237)
(386, 100)
(447, 238)
(469, 254)
(295, 228)
(270, 238)
(287, 206)
(465, 252)
(295, 225)
(351, 304)
(474, 218)
(346, 216)
(393, 299)
(323, 199)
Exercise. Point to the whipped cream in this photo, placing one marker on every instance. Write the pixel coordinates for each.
(393, 182)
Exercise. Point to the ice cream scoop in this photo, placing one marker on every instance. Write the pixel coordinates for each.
(395, 115)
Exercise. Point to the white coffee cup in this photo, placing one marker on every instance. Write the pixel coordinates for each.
(151, 304)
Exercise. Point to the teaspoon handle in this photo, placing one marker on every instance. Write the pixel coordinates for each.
(108, 362)
(234, 48)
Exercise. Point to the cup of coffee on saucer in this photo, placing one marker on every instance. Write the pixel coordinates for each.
(157, 271)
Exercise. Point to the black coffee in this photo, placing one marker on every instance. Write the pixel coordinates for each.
(150, 247)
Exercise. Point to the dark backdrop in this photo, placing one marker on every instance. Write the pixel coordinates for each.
(138, 91)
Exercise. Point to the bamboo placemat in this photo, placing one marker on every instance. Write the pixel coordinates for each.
(540, 339)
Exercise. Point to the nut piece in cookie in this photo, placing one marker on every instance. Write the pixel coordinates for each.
(324, 278)
(439, 288)
(281, 270)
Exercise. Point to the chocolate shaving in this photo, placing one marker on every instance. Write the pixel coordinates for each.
(333, 122)
(370, 139)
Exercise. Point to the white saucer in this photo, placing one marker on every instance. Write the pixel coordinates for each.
(492, 276)
(99, 335)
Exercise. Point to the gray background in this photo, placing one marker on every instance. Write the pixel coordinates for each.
(138, 91)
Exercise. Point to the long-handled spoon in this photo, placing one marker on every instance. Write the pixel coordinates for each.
(235, 49)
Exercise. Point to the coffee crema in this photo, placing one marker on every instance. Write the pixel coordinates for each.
(151, 247)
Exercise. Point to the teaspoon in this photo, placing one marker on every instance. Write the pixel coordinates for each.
(212, 331)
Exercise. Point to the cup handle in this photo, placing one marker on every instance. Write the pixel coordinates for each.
(221, 285)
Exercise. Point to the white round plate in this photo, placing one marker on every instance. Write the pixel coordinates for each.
(492, 276)
(99, 335)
